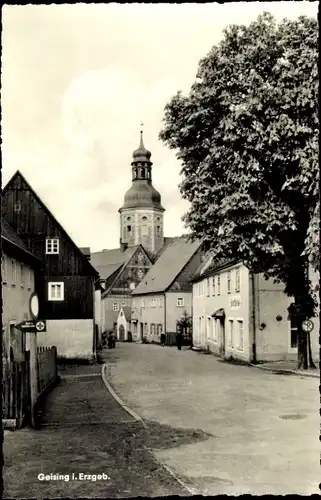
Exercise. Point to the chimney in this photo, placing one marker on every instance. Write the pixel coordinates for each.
(86, 252)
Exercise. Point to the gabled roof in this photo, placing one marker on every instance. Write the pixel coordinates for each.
(82, 256)
(211, 265)
(127, 312)
(168, 267)
(9, 235)
(108, 261)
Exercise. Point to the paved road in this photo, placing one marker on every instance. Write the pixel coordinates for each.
(254, 432)
(84, 430)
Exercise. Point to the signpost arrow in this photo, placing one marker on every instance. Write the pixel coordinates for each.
(26, 326)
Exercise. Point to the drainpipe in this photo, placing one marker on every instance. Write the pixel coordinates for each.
(253, 289)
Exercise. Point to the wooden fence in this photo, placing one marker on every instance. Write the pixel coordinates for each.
(15, 390)
(47, 367)
(16, 386)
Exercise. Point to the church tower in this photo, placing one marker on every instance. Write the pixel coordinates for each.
(141, 216)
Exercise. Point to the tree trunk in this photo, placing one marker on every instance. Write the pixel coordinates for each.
(311, 363)
(302, 349)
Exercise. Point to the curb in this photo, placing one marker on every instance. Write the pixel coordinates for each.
(284, 370)
(191, 491)
(139, 419)
(118, 399)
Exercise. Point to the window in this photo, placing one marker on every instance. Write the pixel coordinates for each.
(124, 304)
(231, 332)
(144, 230)
(128, 218)
(133, 303)
(160, 302)
(22, 272)
(213, 286)
(129, 228)
(55, 291)
(180, 302)
(4, 270)
(145, 327)
(160, 329)
(143, 303)
(14, 272)
(218, 285)
(237, 280)
(142, 173)
(157, 230)
(17, 206)
(52, 245)
(153, 302)
(208, 287)
(240, 334)
(29, 273)
(115, 306)
(229, 282)
(152, 329)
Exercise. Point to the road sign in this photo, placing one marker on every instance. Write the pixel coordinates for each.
(307, 325)
(26, 326)
(41, 326)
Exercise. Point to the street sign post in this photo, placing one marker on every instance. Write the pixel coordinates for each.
(26, 326)
(307, 325)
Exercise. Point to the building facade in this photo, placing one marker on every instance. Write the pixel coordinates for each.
(242, 316)
(165, 293)
(18, 270)
(66, 286)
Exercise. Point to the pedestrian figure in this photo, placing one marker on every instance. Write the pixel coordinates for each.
(109, 341)
(179, 341)
(162, 339)
(113, 340)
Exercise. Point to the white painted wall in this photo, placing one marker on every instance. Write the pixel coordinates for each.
(73, 338)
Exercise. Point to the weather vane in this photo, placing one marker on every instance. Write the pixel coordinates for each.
(141, 125)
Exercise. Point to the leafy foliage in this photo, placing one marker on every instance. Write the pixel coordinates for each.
(247, 137)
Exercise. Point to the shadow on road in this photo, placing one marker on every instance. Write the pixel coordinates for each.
(161, 436)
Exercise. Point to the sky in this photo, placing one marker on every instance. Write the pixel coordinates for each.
(77, 81)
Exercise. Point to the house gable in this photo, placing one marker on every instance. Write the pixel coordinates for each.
(133, 271)
(34, 223)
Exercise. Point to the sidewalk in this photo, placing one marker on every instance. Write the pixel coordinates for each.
(83, 430)
(290, 367)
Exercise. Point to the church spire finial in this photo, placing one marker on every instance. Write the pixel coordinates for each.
(141, 145)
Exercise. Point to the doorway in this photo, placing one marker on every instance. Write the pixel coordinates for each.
(141, 331)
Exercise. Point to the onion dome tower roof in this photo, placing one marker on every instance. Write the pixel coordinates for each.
(142, 193)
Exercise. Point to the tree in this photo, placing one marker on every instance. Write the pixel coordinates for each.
(247, 137)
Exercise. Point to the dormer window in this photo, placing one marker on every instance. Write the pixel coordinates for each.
(52, 246)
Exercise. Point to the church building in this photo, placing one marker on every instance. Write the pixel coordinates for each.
(141, 240)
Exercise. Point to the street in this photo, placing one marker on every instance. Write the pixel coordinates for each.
(260, 430)
(211, 428)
